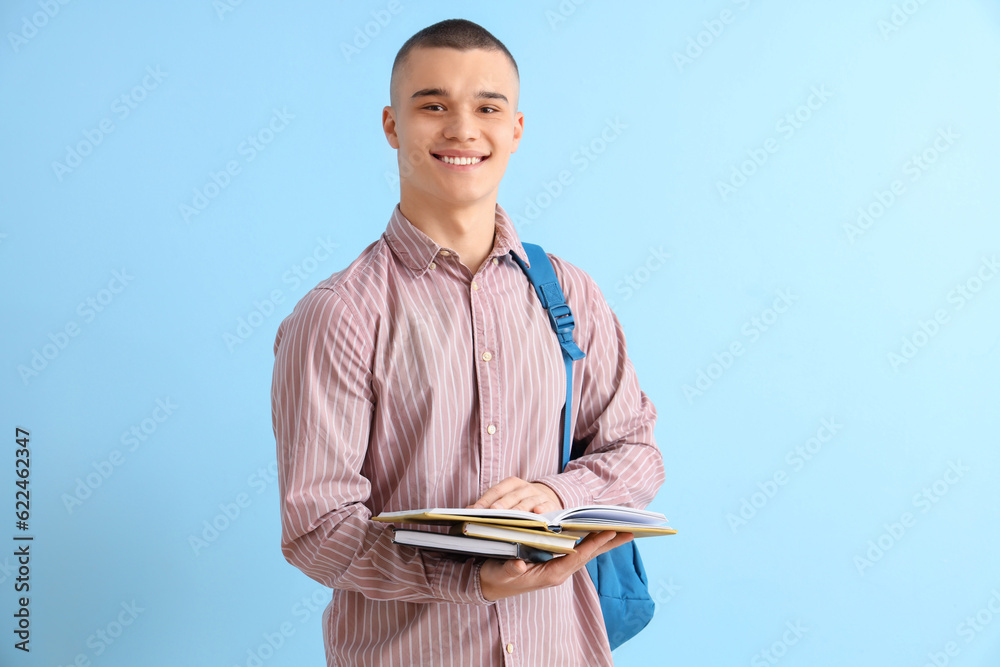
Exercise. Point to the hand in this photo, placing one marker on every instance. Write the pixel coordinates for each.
(514, 493)
(504, 578)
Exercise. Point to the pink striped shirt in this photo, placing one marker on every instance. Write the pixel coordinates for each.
(407, 381)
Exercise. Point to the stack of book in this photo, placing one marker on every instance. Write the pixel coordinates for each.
(519, 534)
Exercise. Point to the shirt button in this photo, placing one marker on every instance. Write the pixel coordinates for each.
(496, 261)
(491, 429)
(433, 266)
(510, 648)
(487, 356)
(445, 253)
(475, 285)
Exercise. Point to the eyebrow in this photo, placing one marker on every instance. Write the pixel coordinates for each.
(441, 92)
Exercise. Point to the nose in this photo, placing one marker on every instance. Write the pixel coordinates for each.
(461, 126)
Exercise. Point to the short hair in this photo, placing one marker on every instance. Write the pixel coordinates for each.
(453, 34)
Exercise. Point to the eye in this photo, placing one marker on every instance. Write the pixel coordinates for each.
(433, 106)
(492, 110)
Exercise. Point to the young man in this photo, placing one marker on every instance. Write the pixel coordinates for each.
(426, 374)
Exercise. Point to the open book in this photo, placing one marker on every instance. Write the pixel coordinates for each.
(585, 519)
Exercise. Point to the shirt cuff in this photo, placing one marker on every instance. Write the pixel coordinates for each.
(458, 581)
(570, 487)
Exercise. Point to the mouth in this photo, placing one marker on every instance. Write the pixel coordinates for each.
(461, 161)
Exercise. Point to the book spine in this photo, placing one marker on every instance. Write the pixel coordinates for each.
(533, 555)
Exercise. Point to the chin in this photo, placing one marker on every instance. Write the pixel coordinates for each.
(464, 198)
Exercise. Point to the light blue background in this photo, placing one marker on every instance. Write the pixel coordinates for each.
(726, 590)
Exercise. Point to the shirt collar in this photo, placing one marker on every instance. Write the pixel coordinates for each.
(416, 250)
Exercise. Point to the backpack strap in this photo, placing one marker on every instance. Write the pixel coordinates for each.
(546, 284)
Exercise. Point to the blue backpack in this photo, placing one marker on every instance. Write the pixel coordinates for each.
(618, 575)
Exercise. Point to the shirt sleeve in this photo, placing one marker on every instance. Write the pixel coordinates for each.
(621, 464)
(322, 402)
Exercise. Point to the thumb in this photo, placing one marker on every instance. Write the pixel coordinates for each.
(514, 568)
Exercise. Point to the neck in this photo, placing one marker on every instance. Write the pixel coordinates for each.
(467, 229)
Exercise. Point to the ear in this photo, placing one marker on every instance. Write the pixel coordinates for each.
(389, 127)
(518, 131)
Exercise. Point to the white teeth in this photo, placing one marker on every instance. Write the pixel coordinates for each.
(461, 160)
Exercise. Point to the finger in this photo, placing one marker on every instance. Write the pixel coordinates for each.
(538, 504)
(528, 498)
(522, 496)
(531, 497)
(510, 570)
(514, 568)
(496, 492)
(622, 538)
(558, 570)
(585, 550)
(519, 575)
(590, 546)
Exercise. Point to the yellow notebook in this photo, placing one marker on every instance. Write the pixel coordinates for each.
(540, 539)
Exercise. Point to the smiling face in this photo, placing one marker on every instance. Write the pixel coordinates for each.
(454, 122)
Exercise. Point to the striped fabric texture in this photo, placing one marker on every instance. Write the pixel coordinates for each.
(406, 381)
